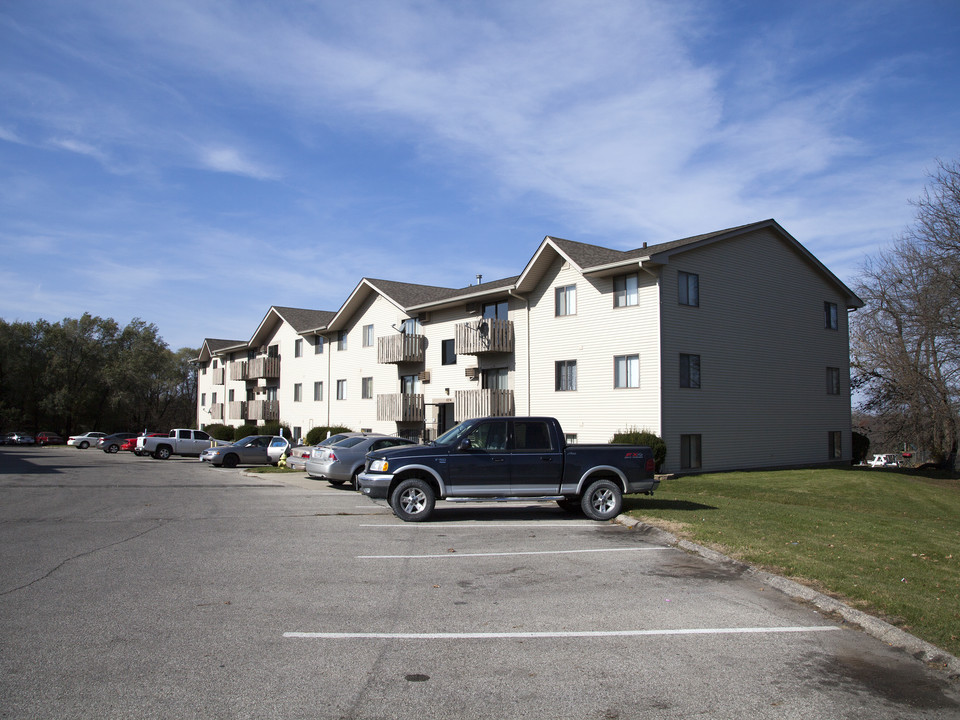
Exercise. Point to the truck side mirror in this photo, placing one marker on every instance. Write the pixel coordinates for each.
(464, 445)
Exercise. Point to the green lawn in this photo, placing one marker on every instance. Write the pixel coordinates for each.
(887, 542)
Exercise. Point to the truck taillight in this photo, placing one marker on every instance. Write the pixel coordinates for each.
(650, 465)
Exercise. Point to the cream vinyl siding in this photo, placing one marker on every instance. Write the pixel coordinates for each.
(593, 337)
(759, 332)
(306, 369)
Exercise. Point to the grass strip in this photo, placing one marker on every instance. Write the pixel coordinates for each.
(885, 541)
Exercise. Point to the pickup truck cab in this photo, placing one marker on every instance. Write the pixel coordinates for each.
(502, 458)
(179, 441)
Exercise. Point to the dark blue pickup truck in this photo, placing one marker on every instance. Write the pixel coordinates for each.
(502, 458)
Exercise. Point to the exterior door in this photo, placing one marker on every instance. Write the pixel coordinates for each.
(537, 463)
(484, 468)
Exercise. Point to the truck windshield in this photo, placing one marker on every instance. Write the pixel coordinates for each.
(451, 436)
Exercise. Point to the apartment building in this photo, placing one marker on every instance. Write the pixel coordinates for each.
(733, 346)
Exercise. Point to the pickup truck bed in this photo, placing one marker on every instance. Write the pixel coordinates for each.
(508, 458)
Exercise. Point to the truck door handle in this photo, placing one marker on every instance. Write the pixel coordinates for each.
(498, 459)
(546, 458)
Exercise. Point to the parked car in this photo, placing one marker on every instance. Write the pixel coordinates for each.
(85, 440)
(298, 456)
(18, 438)
(179, 441)
(251, 450)
(49, 438)
(130, 444)
(111, 443)
(344, 460)
(501, 458)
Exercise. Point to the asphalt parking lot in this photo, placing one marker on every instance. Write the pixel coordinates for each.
(138, 588)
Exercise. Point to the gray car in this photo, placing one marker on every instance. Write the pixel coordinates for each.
(251, 450)
(343, 461)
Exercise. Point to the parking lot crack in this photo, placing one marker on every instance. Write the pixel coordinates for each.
(52, 571)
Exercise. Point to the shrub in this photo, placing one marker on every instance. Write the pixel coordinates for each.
(321, 433)
(244, 430)
(861, 446)
(275, 428)
(635, 436)
(219, 431)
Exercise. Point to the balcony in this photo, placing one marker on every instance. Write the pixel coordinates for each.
(263, 410)
(478, 337)
(237, 410)
(216, 411)
(400, 348)
(263, 367)
(469, 404)
(400, 407)
(218, 376)
(238, 370)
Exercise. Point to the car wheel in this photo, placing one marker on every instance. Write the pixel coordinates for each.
(570, 505)
(335, 482)
(413, 500)
(230, 461)
(602, 500)
(162, 453)
(83, 445)
(113, 449)
(356, 480)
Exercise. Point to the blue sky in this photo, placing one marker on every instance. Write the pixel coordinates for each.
(192, 162)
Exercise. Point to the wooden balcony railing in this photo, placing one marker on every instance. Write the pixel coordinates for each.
(469, 404)
(238, 370)
(263, 410)
(484, 336)
(237, 410)
(216, 411)
(218, 376)
(400, 407)
(400, 348)
(263, 367)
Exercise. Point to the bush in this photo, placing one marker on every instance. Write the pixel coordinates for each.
(275, 428)
(861, 446)
(321, 433)
(635, 436)
(244, 430)
(219, 431)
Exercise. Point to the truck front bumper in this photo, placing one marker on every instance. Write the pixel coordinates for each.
(375, 485)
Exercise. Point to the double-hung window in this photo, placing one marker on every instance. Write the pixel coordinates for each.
(298, 392)
(318, 391)
(341, 389)
(833, 381)
(318, 345)
(342, 340)
(448, 353)
(566, 300)
(368, 336)
(626, 371)
(689, 371)
(830, 316)
(366, 388)
(688, 288)
(625, 290)
(298, 347)
(565, 375)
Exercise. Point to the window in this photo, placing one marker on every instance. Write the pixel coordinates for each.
(410, 384)
(366, 388)
(298, 392)
(566, 300)
(495, 311)
(203, 399)
(213, 399)
(689, 371)
(531, 435)
(341, 389)
(273, 351)
(230, 396)
(494, 379)
(272, 393)
(342, 340)
(690, 452)
(830, 315)
(411, 326)
(448, 355)
(626, 371)
(490, 435)
(297, 434)
(833, 381)
(570, 438)
(688, 289)
(625, 290)
(834, 445)
(566, 375)
(298, 347)
(318, 391)
(368, 336)
(318, 345)
(214, 364)
(203, 369)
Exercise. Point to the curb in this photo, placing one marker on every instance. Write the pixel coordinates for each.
(883, 631)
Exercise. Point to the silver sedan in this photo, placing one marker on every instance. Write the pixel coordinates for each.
(344, 461)
(251, 450)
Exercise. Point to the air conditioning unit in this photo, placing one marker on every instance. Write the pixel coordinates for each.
(424, 317)
(472, 372)
(424, 376)
(473, 308)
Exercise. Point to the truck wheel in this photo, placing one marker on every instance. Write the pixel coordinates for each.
(413, 500)
(230, 461)
(162, 453)
(570, 505)
(602, 500)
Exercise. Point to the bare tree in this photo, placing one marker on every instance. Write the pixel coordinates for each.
(905, 343)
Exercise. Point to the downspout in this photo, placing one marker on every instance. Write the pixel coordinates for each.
(526, 304)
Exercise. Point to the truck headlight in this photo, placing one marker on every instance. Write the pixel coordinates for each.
(379, 466)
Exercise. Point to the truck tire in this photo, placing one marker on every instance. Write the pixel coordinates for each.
(230, 461)
(413, 500)
(162, 452)
(602, 500)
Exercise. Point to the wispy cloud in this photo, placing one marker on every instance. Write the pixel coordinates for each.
(230, 160)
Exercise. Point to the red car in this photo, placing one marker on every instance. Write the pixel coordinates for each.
(49, 438)
(131, 444)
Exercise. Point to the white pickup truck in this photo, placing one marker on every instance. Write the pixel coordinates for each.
(179, 441)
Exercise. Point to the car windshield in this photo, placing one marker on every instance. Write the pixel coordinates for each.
(249, 438)
(451, 436)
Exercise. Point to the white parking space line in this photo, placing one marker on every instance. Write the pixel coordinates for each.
(506, 554)
(477, 524)
(562, 634)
